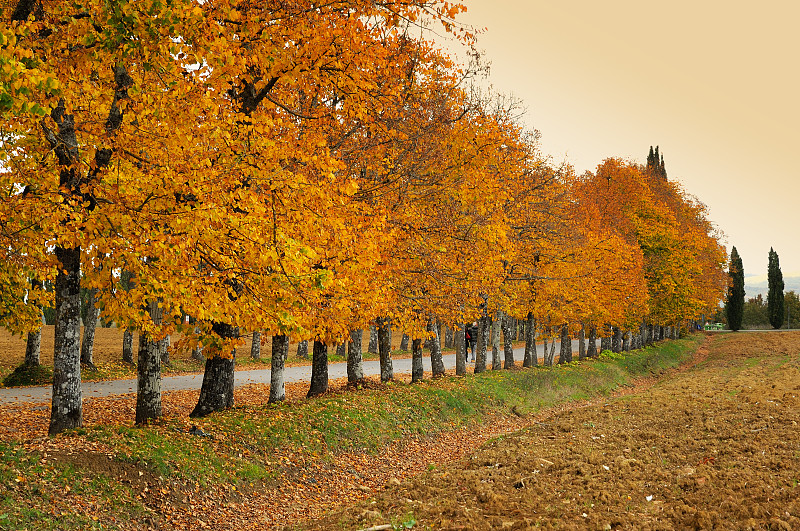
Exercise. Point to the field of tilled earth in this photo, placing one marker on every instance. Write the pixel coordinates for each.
(715, 445)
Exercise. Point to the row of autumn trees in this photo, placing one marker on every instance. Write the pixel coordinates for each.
(305, 169)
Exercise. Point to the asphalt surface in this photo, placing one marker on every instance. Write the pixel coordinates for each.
(243, 377)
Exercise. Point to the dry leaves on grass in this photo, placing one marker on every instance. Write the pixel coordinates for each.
(308, 486)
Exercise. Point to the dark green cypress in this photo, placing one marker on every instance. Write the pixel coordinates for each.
(734, 304)
(775, 303)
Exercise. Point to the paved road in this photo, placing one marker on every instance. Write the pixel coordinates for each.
(243, 377)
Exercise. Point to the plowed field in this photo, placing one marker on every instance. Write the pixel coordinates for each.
(713, 446)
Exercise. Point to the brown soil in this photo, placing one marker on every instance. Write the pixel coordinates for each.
(716, 446)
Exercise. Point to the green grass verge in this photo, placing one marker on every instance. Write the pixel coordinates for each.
(29, 375)
(252, 445)
(36, 495)
(248, 443)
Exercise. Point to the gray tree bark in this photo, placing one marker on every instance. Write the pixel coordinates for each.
(148, 372)
(459, 343)
(544, 348)
(341, 350)
(372, 347)
(582, 342)
(127, 346)
(319, 370)
(385, 349)
(197, 351)
(355, 366)
(89, 327)
(626, 342)
(417, 371)
(255, 346)
(404, 342)
(437, 364)
(163, 347)
(448, 337)
(67, 402)
(302, 349)
(508, 342)
(565, 356)
(531, 359)
(280, 351)
(605, 341)
(484, 329)
(216, 391)
(616, 339)
(33, 347)
(496, 363)
(591, 352)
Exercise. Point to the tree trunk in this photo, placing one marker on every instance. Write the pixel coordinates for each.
(496, 363)
(280, 351)
(591, 352)
(372, 347)
(127, 346)
(67, 403)
(531, 359)
(448, 337)
(404, 342)
(197, 351)
(460, 345)
(255, 346)
(216, 391)
(319, 370)
(341, 350)
(544, 348)
(565, 356)
(148, 371)
(163, 347)
(417, 371)
(437, 364)
(355, 367)
(605, 341)
(650, 337)
(582, 342)
(508, 342)
(616, 339)
(89, 327)
(33, 348)
(483, 338)
(302, 349)
(385, 349)
(552, 355)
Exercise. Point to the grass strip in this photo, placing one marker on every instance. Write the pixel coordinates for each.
(248, 445)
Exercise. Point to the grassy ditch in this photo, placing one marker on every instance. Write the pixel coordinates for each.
(250, 448)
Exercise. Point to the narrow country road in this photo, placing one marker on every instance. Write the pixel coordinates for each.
(194, 381)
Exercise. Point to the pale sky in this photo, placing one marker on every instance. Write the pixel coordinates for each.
(715, 84)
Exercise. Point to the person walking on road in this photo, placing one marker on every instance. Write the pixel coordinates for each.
(471, 335)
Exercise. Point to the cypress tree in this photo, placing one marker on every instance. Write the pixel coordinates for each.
(655, 163)
(775, 303)
(734, 304)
